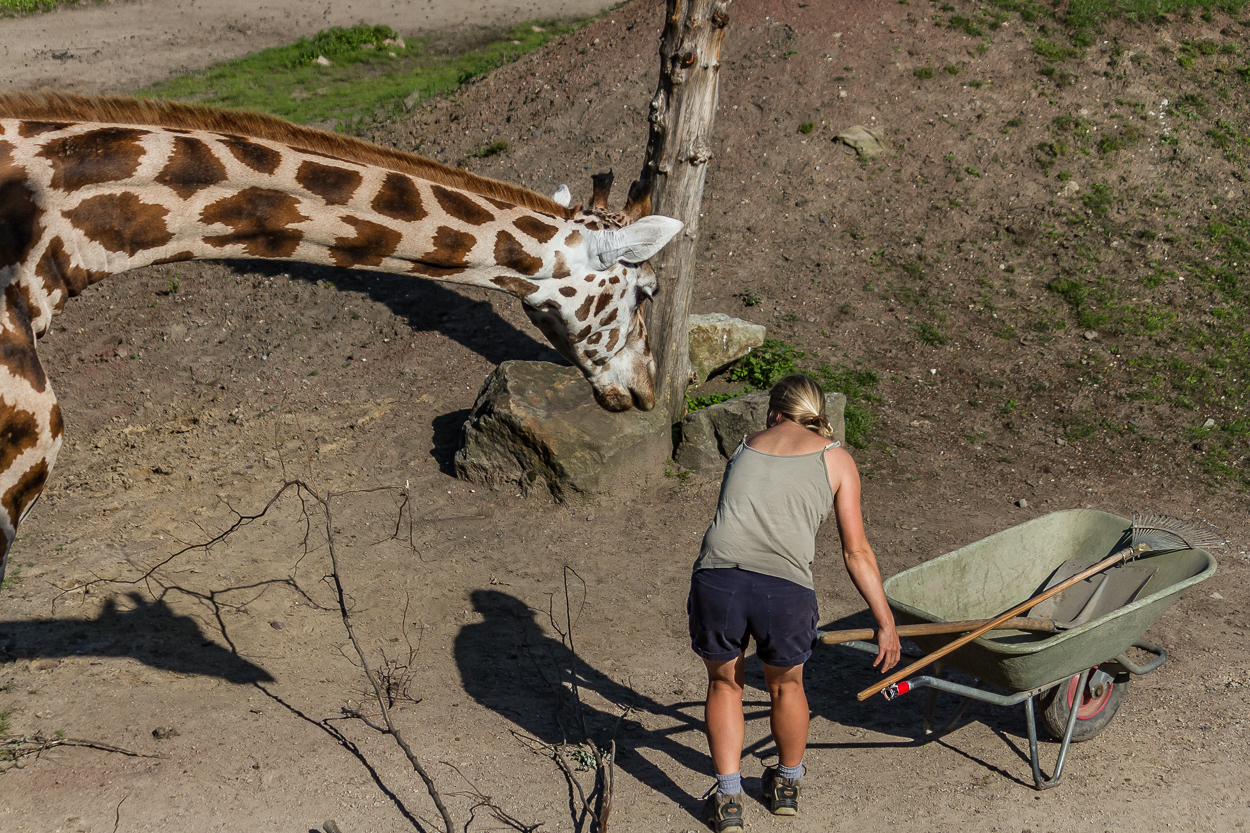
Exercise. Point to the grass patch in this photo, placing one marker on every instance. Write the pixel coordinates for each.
(367, 80)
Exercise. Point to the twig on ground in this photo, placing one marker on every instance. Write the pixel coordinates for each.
(341, 594)
(14, 749)
(604, 765)
(486, 801)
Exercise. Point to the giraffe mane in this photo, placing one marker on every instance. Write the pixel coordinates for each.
(156, 113)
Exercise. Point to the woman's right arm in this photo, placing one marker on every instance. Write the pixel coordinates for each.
(861, 561)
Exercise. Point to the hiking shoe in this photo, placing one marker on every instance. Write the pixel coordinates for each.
(724, 812)
(782, 794)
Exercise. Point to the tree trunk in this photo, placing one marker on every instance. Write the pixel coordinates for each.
(678, 149)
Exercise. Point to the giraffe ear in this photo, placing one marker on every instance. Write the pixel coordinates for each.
(563, 196)
(634, 243)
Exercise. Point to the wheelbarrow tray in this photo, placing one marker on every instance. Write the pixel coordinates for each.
(987, 577)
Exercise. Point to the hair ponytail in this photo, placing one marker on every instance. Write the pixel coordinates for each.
(799, 399)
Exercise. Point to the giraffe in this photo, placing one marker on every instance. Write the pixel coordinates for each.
(91, 187)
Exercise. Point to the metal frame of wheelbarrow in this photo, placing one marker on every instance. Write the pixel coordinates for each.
(968, 693)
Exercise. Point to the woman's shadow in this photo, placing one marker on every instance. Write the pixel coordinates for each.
(510, 666)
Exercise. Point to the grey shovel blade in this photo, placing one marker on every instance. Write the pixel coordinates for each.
(1095, 596)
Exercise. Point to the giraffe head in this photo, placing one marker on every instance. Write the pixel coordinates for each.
(592, 312)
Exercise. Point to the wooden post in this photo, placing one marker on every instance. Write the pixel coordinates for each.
(678, 149)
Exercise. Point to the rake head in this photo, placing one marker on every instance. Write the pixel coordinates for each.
(1162, 533)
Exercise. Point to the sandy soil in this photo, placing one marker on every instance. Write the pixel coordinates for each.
(230, 665)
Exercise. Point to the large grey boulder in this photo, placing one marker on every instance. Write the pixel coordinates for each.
(710, 435)
(717, 341)
(535, 425)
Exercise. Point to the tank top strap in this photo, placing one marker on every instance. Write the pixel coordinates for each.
(834, 444)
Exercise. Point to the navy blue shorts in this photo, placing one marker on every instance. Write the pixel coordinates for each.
(728, 606)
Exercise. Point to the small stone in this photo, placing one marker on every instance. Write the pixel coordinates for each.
(1217, 596)
(277, 624)
(1090, 335)
(1210, 423)
(1060, 441)
(1022, 503)
(322, 60)
(165, 732)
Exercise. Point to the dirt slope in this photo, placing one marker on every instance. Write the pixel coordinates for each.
(232, 664)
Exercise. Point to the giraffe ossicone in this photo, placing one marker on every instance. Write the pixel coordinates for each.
(91, 187)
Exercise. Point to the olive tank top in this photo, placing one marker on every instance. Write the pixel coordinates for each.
(770, 508)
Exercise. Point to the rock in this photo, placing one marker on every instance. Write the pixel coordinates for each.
(866, 141)
(536, 425)
(717, 341)
(1022, 503)
(710, 435)
(322, 60)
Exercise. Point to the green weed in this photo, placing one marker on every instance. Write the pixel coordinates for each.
(766, 364)
(361, 85)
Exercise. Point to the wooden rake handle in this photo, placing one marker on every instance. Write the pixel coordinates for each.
(1017, 623)
(1109, 561)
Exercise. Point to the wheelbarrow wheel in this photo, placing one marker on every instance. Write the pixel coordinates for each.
(1096, 705)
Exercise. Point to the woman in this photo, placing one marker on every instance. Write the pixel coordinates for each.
(753, 578)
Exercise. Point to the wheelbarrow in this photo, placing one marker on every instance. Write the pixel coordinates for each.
(1078, 673)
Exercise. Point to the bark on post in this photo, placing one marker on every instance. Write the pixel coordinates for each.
(678, 149)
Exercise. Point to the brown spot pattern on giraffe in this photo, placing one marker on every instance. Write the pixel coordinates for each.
(333, 184)
(56, 423)
(37, 128)
(573, 240)
(57, 270)
(460, 207)
(604, 299)
(536, 228)
(144, 228)
(510, 253)
(108, 154)
(17, 342)
(371, 245)
(613, 337)
(568, 291)
(261, 219)
(399, 199)
(448, 255)
(20, 219)
(19, 433)
(25, 491)
(560, 269)
(257, 157)
(517, 286)
(583, 312)
(191, 168)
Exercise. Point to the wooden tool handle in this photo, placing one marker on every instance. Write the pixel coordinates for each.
(1109, 561)
(1018, 623)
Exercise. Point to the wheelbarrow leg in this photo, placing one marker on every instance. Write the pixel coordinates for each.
(1038, 780)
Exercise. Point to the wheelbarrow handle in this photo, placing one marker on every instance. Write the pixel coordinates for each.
(1019, 623)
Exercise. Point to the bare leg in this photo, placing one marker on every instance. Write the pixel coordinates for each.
(726, 726)
(790, 715)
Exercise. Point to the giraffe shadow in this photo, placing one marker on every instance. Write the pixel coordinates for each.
(510, 666)
(149, 632)
(427, 305)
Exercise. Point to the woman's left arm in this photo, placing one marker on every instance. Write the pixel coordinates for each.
(861, 561)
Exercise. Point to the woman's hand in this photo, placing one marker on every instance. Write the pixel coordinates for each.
(888, 648)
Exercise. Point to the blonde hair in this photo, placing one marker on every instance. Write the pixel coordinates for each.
(799, 399)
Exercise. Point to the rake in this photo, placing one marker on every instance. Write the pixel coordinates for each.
(1149, 533)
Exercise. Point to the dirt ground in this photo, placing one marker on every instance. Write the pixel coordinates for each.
(193, 392)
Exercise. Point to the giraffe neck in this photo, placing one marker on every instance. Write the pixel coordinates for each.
(112, 197)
